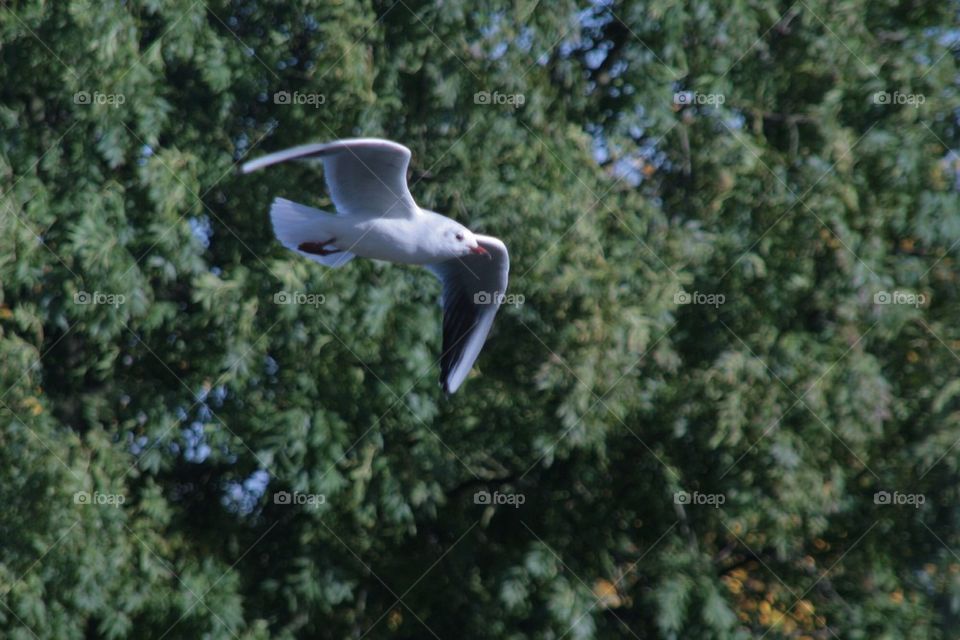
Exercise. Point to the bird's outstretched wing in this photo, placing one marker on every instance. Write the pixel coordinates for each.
(365, 176)
(473, 289)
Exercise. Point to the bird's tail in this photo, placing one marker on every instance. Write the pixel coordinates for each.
(296, 225)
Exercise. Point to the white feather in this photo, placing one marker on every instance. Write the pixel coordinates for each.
(295, 223)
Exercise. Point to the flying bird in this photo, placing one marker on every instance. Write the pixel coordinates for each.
(378, 218)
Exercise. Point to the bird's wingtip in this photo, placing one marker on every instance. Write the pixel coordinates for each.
(445, 386)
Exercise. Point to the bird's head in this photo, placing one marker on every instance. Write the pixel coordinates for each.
(462, 242)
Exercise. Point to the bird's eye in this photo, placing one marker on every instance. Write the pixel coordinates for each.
(459, 236)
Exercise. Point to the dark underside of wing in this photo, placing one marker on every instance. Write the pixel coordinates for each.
(472, 292)
(460, 318)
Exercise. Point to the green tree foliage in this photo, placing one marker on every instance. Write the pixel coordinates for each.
(727, 407)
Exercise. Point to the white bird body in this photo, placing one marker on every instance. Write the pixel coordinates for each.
(377, 218)
(377, 238)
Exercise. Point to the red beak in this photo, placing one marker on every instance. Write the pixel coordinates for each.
(480, 250)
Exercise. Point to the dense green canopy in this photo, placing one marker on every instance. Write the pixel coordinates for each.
(728, 405)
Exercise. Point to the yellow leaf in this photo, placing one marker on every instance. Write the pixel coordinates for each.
(33, 405)
(606, 593)
(395, 619)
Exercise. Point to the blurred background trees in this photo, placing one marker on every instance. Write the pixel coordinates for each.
(728, 403)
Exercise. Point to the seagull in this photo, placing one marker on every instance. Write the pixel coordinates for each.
(377, 218)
